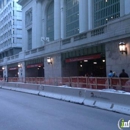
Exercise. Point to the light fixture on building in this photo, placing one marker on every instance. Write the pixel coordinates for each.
(81, 65)
(103, 60)
(3, 68)
(122, 47)
(49, 60)
(85, 60)
(106, 0)
(19, 65)
(95, 63)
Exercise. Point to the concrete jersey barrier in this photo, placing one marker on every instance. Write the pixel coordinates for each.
(113, 101)
(64, 93)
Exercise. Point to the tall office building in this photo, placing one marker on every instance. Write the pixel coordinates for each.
(10, 28)
(77, 36)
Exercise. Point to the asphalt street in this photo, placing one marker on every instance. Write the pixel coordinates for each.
(21, 111)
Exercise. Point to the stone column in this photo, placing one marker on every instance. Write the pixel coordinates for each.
(2, 4)
(83, 15)
(57, 19)
(53, 70)
(126, 7)
(38, 24)
(90, 14)
(21, 71)
(5, 72)
(5, 1)
(62, 19)
(122, 7)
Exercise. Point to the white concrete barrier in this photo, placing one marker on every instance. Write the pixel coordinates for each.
(95, 98)
(112, 101)
(64, 93)
(109, 100)
(9, 84)
(21, 87)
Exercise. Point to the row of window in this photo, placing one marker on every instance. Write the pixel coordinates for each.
(6, 10)
(5, 27)
(50, 22)
(105, 11)
(28, 17)
(72, 19)
(6, 43)
(5, 19)
(5, 35)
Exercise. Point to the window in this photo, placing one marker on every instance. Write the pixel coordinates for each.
(28, 17)
(50, 21)
(29, 39)
(72, 17)
(105, 11)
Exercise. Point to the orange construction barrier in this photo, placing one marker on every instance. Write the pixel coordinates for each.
(66, 81)
(59, 81)
(83, 82)
(101, 83)
(92, 82)
(74, 82)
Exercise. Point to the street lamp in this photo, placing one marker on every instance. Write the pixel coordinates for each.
(122, 47)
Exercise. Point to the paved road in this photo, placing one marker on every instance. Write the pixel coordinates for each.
(21, 111)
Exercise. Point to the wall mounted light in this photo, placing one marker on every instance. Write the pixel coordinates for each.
(81, 65)
(49, 60)
(103, 60)
(122, 47)
(85, 60)
(3, 68)
(19, 65)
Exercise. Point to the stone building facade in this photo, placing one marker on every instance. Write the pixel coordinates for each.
(79, 36)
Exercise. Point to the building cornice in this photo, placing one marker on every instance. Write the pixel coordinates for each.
(23, 2)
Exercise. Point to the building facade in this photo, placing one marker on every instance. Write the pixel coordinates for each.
(10, 29)
(76, 37)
